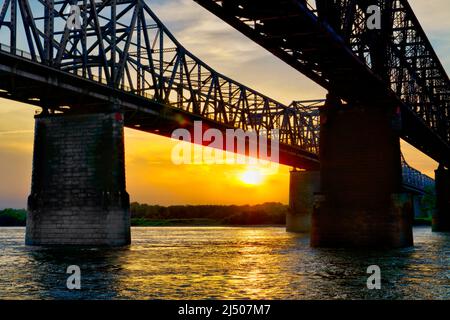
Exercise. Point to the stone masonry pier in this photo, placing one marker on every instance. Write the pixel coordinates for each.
(78, 194)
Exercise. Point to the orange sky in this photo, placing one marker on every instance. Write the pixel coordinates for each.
(151, 176)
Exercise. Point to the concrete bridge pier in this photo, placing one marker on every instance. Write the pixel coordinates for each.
(441, 217)
(302, 186)
(360, 203)
(78, 194)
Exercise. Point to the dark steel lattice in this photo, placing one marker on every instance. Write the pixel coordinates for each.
(123, 45)
(329, 41)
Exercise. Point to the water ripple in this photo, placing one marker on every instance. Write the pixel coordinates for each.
(223, 263)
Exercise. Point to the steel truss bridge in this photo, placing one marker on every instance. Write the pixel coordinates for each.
(123, 56)
(328, 41)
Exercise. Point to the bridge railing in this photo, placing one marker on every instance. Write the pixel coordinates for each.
(18, 52)
(416, 179)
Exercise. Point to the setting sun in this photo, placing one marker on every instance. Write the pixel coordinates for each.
(252, 176)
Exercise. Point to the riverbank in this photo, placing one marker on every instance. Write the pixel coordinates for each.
(208, 215)
(13, 218)
(143, 215)
(422, 221)
(269, 214)
(193, 223)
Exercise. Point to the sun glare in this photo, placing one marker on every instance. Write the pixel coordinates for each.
(252, 177)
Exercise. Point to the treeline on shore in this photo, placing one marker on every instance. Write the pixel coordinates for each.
(195, 215)
(155, 215)
(13, 217)
(263, 214)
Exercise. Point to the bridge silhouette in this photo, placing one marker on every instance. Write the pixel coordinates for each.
(122, 67)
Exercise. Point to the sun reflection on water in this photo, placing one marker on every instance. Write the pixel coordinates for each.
(223, 263)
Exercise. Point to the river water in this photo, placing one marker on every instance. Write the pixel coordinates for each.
(223, 263)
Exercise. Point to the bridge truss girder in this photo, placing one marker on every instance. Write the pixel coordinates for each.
(329, 42)
(122, 44)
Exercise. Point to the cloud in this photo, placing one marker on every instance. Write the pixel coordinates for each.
(232, 54)
(434, 16)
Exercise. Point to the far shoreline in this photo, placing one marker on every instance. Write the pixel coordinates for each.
(415, 224)
(142, 215)
(217, 226)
